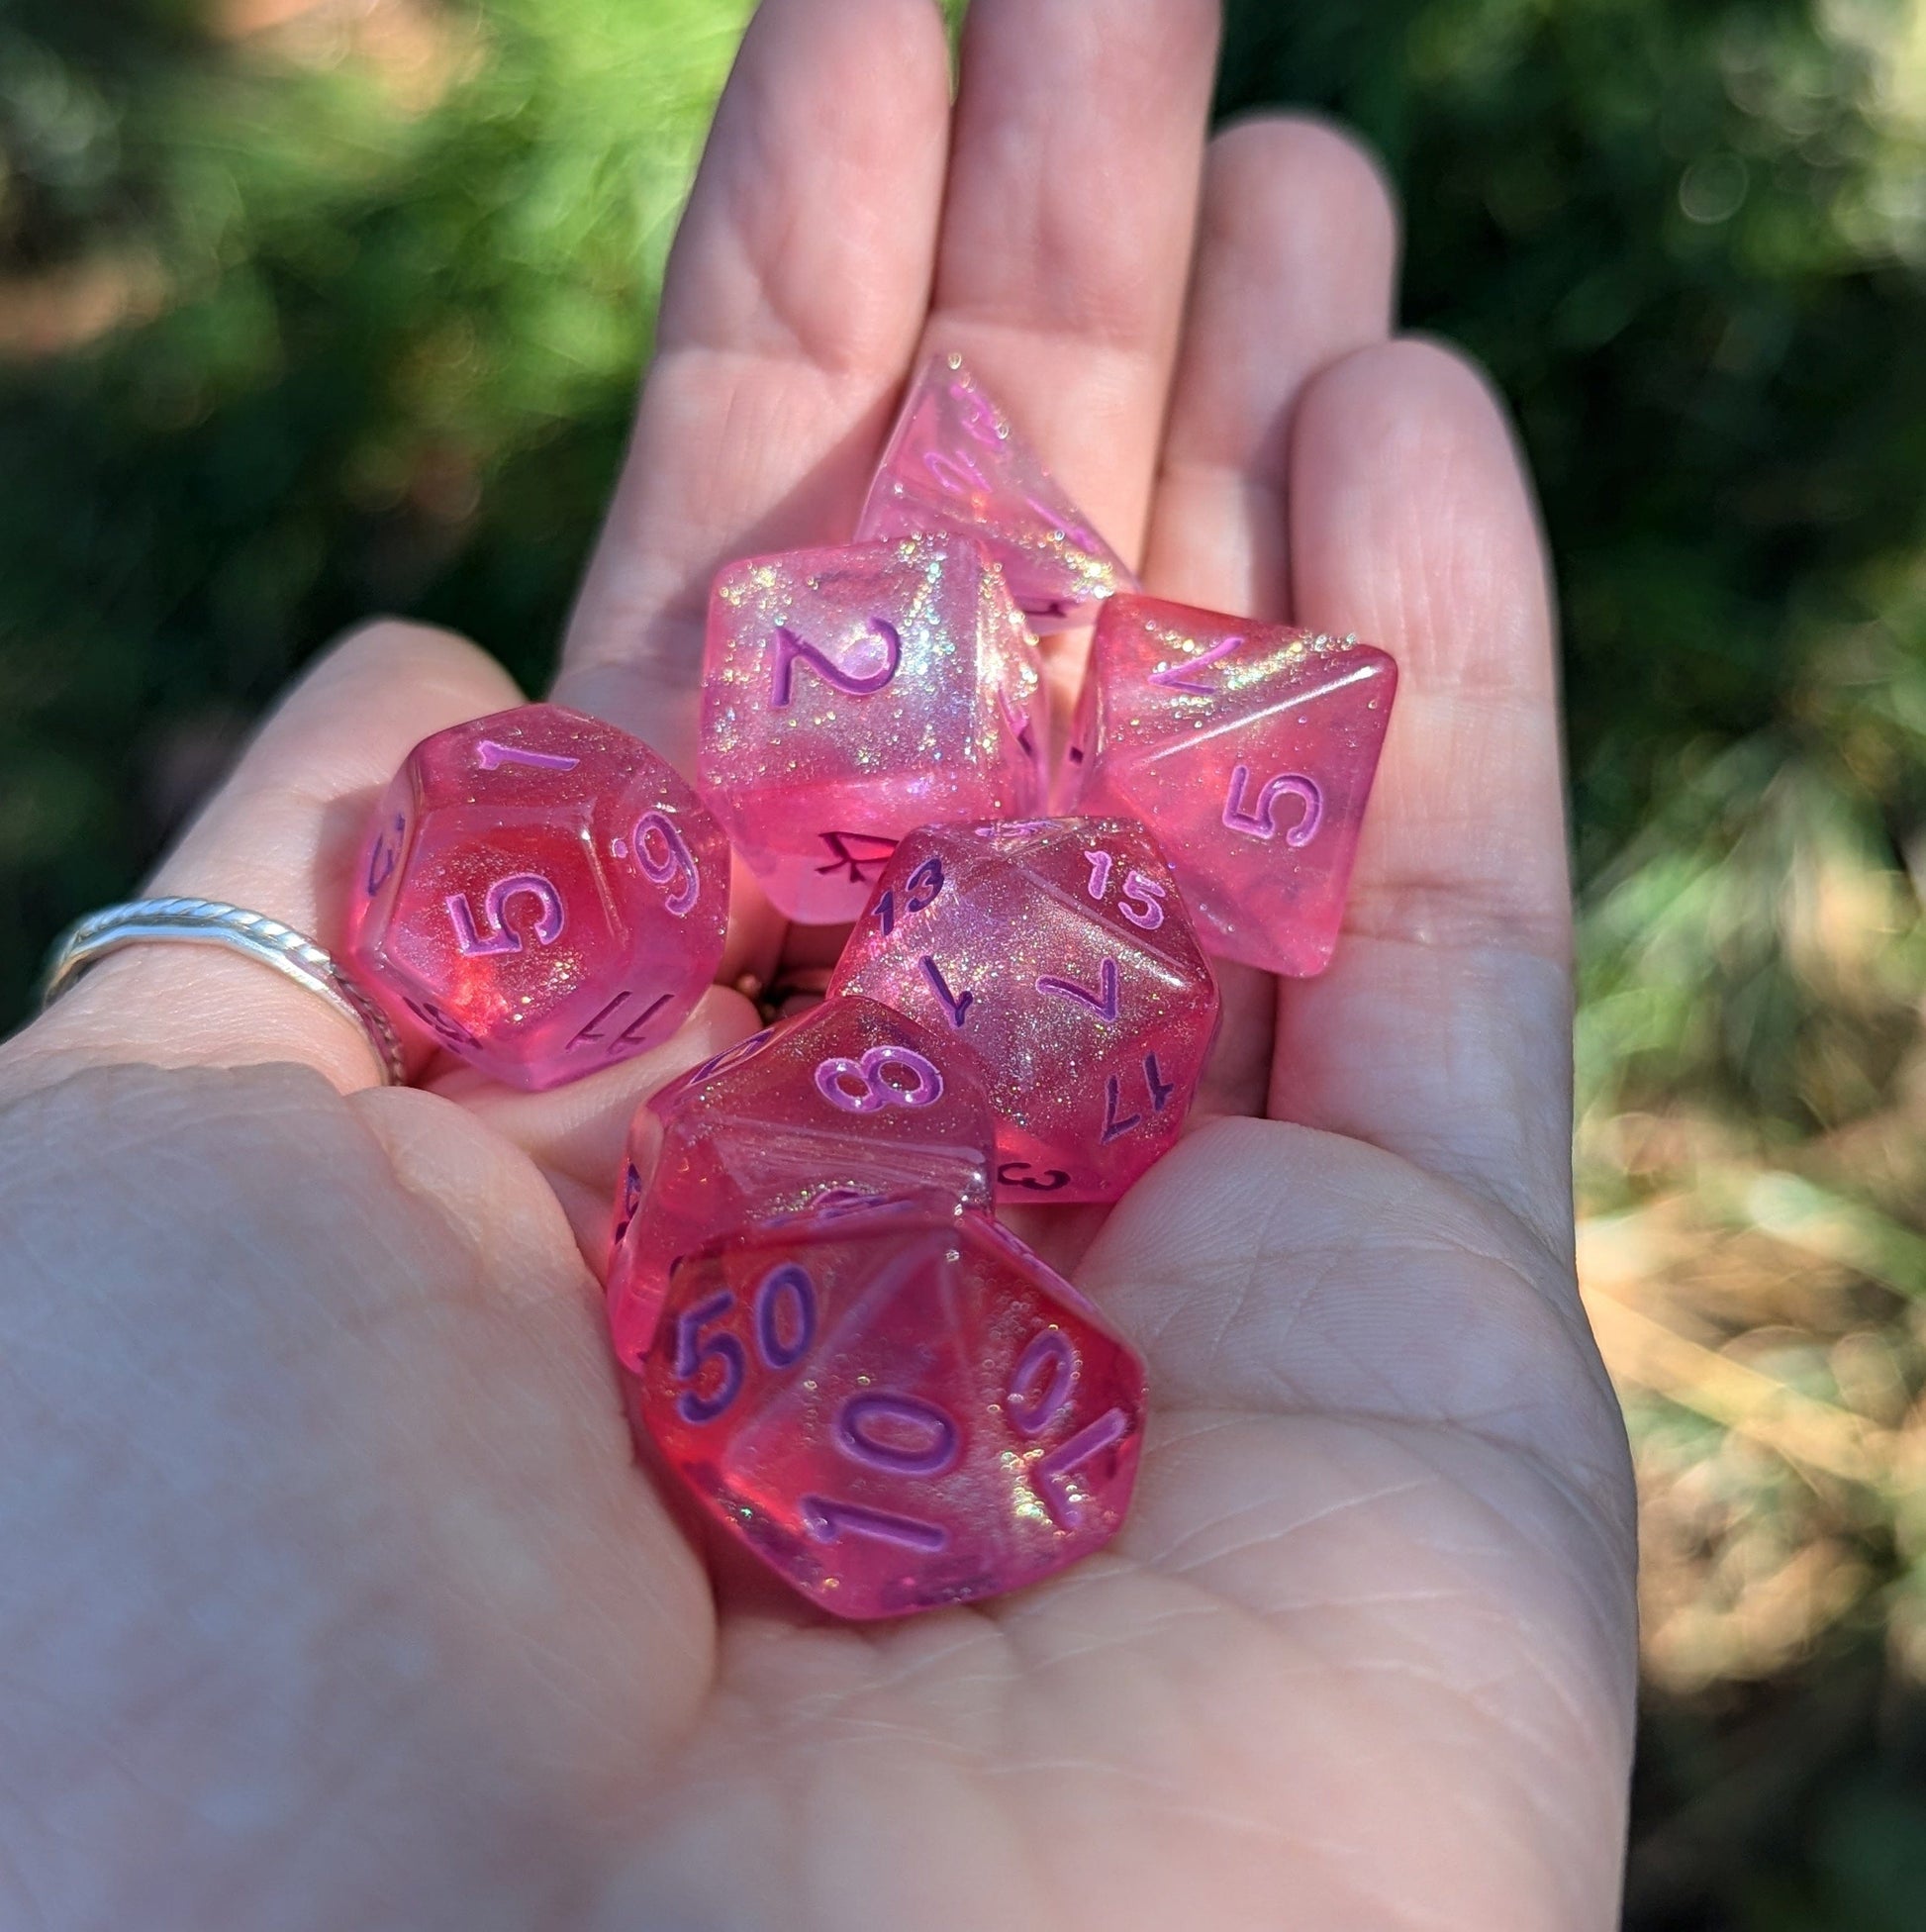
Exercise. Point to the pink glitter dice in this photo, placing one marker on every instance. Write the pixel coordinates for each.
(850, 694)
(895, 1406)
(954, 463)
(847, 1101)
(541, 893)
(1060, 952)
(1251, 749)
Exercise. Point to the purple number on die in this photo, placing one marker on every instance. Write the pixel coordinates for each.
(1052, 1359)
(1018, 721)
(387, 849)
(791, 650)
(694, 1352)
(1141, 898)
(444, 1026)
(730, 1056)
(1103, 1002)
(919, 893)
(834, 1075)
(843, 852)
(1100, 864)
(1181, 676)
(1263, 822)
(497, 938)
(1051, 1471)
(956, 1004)
(492, 755)
(828, 1522)
(630, 1034)
(1020, 1174)
(675, 866)
(902, 1434)
(785, 1285)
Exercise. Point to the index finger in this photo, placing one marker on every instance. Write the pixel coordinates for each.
(791, 307)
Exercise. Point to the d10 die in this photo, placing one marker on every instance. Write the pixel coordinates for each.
(845, 1103)
(896, 1406)
(1058, 951)
(850, 694)
(541, 893)
(954, 463)
(1251, 749)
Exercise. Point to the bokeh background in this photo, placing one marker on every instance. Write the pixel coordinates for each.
(310, 308)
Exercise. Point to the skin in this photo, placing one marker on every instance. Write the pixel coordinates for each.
(334, 1593)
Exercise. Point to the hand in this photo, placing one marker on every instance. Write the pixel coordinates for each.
(331, 1594)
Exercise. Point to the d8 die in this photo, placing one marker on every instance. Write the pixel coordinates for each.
(541, 893)
(954, 463)
(895, 1406)
(850, 694)
(1058, 951)
(847, 1101)
(1251, 749)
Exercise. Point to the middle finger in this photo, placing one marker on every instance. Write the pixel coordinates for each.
(1067, 225)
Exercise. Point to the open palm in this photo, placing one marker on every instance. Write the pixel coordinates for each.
(1362, 1656)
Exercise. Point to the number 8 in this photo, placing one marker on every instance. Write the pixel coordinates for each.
(834, 1074)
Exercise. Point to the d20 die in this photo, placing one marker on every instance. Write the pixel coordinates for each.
(1250, 748)
(845, 1103)
(1058, 951)
(541, 893)
(850, 694)
(895, 1406)
(955, 462)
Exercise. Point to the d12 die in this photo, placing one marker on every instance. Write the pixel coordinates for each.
(1251, 749)
(1059, 951)
(850, 694)
(844, 1103)
(896, 1406)
(955, 462)
(541, 893)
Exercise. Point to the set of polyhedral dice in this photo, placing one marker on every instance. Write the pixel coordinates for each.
(858, 1370)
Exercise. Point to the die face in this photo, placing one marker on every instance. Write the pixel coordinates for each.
(1251, 749)
(895, 1406)
(848, 1102)
(541, 893)
(850, 694)
(955, 462)
(1060, 953)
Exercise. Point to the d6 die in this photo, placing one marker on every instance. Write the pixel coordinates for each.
(1058, 951)
(895, 1406)
(955, 462)
(1250, 748)
(847, 1101)
(850, 694)
(541, 893)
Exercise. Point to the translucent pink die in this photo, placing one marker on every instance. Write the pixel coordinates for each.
(1251, 749)
(850, 694)
(541, 893)
(1059, 951)
(848, 1102)
(955, 462)
(895, 1406)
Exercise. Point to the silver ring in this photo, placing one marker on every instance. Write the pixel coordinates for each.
(210, 922)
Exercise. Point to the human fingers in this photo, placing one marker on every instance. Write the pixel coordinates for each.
(1067, 231)
(791, 307)
(1297, 262)
(1442, 1029)
(282, 837)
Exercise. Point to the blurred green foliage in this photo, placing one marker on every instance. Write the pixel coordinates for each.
(344, 314)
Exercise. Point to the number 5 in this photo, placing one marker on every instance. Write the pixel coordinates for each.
(550, 920)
